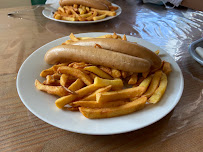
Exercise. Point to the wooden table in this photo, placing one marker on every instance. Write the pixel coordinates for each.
(172, 30)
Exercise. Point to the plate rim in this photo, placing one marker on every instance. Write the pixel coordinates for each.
(90, 133)
(84, 22)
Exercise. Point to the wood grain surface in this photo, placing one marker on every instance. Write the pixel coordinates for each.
(180, 131)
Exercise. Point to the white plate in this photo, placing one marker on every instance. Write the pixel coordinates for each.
(49, 14)
(42, 104)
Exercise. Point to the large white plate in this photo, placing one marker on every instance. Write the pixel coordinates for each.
(42, 104)
(49, 14)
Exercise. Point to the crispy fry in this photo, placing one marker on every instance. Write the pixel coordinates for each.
(86, 15)
(133, 79)
(154, 84)
(57, 16)
(61, 9)
(114, 36)
(93, 95)
(145, 74)
(124, 74)
(115, 73)
(55, 67)
(50, 79)
(113, 8)
(78, 84)
(61, 102)
(55, 90)
(160, 90)
(92, 76)
(97, 45)
(145, 83)
(114, 111)
(55, 83)
(46, 72)
(119, 95)
(97, 71)
(94, 104)
(77, 73)
(157, 52)
(99, 17)
(107, 70)
(116, 84)
(104, 12)
(91, 17)
(124, 37)
(68, 18)
(63, 79)
(73, 38)
(166, 68)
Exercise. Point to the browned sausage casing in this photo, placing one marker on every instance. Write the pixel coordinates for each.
(125, 47)
(97, 56)
(90, 3)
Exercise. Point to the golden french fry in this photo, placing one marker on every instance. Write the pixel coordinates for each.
(57, 16)
(154, 84)
(50, 79)
(63, 79)
(81, 11)
(55, 90)
(92, 76)
(73, 38)
(166, 68)
(145, 83)
(91, 17)
(61, 9)
(55, 67)
(145, 74)
(94, 104)
(56, 76)
(93, 95)
(104, 12)
(133, 79)
(114, 36)
(160, 90)
(75, 5)
(119, 95)
(99, 17)
(76, 73)
(115, 73)
(68, 18)
(116, 83)
(88, 9)
(105, 69)
(46, 72)
(78, 84)
(112, 8)
(124, 74)
(55, 83)
(127, 108)
(157, 52)
(79, 65)
(97, 71)
(61, 102)
(124, 37)
(86, 15)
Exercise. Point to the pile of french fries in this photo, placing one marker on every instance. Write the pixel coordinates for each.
(101, 92)
(83, 13)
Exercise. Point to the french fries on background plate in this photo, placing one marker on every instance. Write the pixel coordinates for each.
(83, 13)
(100, 92)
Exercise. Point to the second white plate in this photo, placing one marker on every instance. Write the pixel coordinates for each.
(43, 105)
